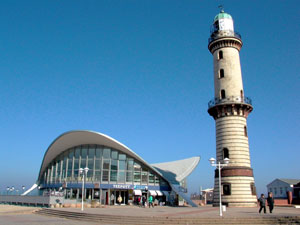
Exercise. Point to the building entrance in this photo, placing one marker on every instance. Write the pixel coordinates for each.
(120, 197)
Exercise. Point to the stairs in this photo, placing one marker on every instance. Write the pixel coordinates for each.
(137, 220)
(178, 190)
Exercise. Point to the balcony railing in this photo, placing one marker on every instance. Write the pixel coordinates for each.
(221, 34)
(230, 99)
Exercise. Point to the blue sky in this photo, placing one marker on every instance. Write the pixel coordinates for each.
(140, 72)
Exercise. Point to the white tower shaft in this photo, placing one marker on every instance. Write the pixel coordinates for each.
(230, 110)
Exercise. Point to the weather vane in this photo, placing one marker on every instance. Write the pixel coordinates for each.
(221, 7)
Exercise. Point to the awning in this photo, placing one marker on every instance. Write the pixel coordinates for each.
(153, 193)
(159, 193)
(137, 192)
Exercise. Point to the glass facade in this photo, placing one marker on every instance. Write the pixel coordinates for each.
(106, 165)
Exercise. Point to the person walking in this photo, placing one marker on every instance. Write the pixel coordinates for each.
(144, 200)
(150, 201)
(119, 199)
(270, 201)
(262, 203)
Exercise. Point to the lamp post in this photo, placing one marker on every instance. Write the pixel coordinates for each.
(84, 173)
(219, 166)
(12, 190)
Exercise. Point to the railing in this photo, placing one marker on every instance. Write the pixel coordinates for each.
(230, 99)
(220, 34)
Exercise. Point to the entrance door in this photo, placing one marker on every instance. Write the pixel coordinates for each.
(124, 196)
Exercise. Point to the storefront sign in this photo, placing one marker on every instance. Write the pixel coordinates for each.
(122, 186)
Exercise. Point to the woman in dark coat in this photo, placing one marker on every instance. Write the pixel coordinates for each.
(270, 201)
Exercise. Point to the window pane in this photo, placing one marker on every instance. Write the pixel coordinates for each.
(98, 152)
(114, 164)
(129, 176)
(77, 152)
(144, 176)
(122, 165)
(90, 164)
(91, 152)
(97, 164)
(156, 179)
(114, 154)
(76, 164)
(137, 176)
(97, 175)
(106, 163)
(121, 176)
(122, 157)
(151, 178)
(106, 153)
(129, 164)
(71, 154)
(105, 175)
(113, 175)
(84, 152)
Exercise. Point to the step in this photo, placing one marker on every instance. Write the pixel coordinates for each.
(130, 220)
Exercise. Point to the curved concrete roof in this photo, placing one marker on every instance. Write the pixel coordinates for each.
(81, 137)
(178, 170)
(172, 171)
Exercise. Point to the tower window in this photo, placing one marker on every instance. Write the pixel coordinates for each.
(221, 73)
(223, 95)
(253, 189)
(220, 54)
(225, 153)
(226, 189)
(242, 95)
(245, 131)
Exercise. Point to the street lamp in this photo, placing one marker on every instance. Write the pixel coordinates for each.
(12, 189)
(84, 174)
(219, 165)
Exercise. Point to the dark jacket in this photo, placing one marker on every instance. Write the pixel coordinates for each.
(270, 201)
(262, 201)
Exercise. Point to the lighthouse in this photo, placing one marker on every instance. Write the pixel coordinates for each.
(230, 109)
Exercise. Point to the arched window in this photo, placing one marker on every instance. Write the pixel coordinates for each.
(221, 73)
(223, 95)
(245, 131)
(242, 95)
(220, 54)
(225, 153)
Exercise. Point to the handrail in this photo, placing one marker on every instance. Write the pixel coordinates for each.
(230, 99)
(221, 34)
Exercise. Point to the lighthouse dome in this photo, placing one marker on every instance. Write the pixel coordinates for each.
(222, 15)
(223, 22)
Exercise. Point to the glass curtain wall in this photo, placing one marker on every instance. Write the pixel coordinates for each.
(105, 165)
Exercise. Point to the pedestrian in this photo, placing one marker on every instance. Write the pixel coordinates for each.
(119, 199)
(150, 201)
(139, 201)
(262, 203)
(270, 201)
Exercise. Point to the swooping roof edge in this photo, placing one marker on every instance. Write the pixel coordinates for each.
(171, 171)
(81, 137)
(176, 171)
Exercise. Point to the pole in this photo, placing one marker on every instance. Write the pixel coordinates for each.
(219, 167)
(82, 192)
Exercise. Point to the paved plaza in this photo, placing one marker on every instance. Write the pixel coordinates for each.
(24, 215)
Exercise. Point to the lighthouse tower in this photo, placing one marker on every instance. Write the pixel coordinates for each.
(230, 109)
